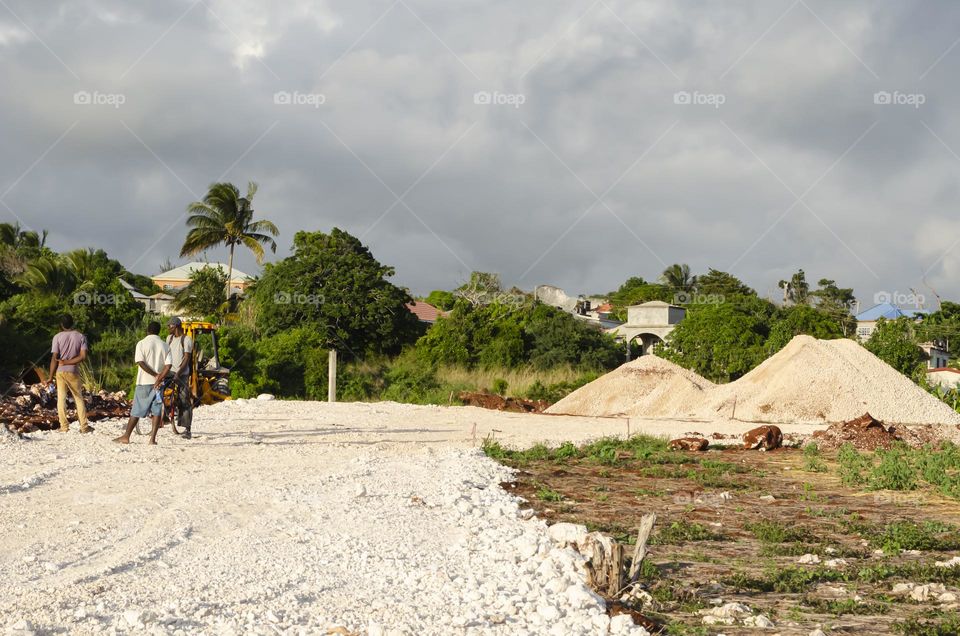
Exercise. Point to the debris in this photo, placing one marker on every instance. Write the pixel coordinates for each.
(763, 438)
(500, 403)
(29, 408)
(689, 444)
(864, 432)
(950, 563)
(809, 559)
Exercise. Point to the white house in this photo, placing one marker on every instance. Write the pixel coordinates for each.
(158, 303)
(649, 324)
(179, 277)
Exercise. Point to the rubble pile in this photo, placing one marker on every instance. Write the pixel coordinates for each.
(33, 407)
(500, 403)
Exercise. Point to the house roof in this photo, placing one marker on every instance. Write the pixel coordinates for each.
(185, 272)
(425, 312)
(605, 307)
(888, 311)
(949, 369)
(133, 291)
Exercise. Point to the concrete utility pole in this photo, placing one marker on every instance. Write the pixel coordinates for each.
(332, 376)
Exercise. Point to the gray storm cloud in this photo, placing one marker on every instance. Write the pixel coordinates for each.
(575, 143)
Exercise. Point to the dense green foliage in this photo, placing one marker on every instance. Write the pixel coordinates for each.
(206, 295)
(895, 342)
(333, 285)
(510, 335)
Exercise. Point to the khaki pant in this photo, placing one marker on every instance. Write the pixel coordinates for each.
(70, 380)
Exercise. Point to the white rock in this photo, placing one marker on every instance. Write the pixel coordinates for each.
(621, 624)
(768, 498)
(922, 593)
(955, 561)
(947, 597)
(812, 559)
(567, 533)
(817, 632)
(758, 621)
(266, 397)
(132, 617)
(835, 563)
(360, 490)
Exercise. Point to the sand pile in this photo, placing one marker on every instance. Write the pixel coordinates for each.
(808, 381)
(813, 380)
(646, 387)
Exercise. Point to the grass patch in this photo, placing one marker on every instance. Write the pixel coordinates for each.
(790, 579)
(929, 624)
(907, 535)
(812, 459)
(767, 531)
(845, 606)
(682, 531)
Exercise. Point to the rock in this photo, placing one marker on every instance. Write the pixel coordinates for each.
(817, 632)
(766, 437)
(726, 614)
(922, 593)
(689, 444)
(567, 533)
(955, 561)
(768, 498)
(621, 624)
(266, 397)
(360, 491)
(132, 617)
(835, 563)
(811, 559)
(902, 588)
(758, 621)
(947, 597)
(22, 627)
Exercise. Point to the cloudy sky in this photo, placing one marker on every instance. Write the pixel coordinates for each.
(572, 142)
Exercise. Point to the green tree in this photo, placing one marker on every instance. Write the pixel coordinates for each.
(836, 303)
(206, 295)
(678, 277)
(226, 218)
(801, 319)
(728, 286)
(333, 284)
(796, 290)
(895, 342)
(635, 291)
(721, 341)
(441, 299)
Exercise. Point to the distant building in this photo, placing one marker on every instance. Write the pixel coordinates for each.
(425, 312)
(867, 320)
(947, 377)
(179, 277)
(649, 324)
(937, 353)
(591, 309)
(158, 303)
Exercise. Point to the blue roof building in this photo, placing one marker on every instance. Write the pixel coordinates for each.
(867, 319)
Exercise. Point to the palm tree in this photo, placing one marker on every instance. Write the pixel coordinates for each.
(50, 274)
(678, 277)
(226, 218)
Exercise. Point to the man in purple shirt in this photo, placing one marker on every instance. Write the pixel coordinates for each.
(69, 349)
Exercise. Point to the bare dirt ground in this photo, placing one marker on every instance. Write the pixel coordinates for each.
(733, 526)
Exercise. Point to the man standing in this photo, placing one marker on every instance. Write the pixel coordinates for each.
(69, 349)
(181, 353)
(153, 359)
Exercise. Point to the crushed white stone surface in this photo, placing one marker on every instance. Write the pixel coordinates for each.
(286, 517)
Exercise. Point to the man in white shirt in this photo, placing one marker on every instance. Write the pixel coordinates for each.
(153, 361)
(181, 350)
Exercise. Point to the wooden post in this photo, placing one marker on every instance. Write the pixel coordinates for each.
(640, 551)
(332, 376)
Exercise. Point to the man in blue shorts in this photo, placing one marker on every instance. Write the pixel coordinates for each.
(154, 360)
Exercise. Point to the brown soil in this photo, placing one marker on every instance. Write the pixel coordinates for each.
(706, 547)
(500, 403)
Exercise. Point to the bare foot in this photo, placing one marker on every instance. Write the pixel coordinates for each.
(122, 440)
